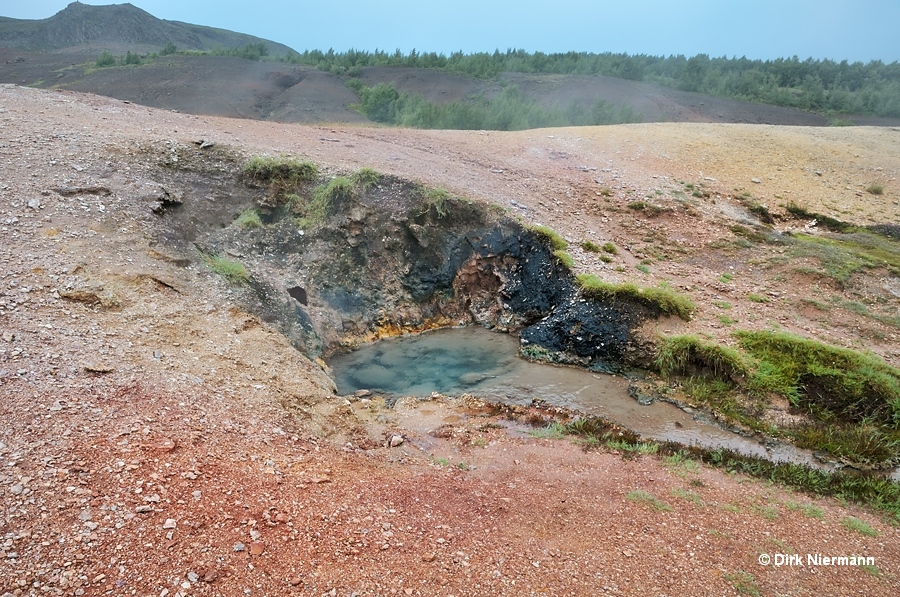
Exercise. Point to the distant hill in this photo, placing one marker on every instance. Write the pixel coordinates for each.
(118, 28)
(62, 52)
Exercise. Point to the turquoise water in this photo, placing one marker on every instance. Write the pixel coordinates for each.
(485, 364)
(451, 362)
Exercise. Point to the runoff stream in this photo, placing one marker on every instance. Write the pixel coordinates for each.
(486, 364)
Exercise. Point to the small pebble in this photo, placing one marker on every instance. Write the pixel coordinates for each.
(257, 547)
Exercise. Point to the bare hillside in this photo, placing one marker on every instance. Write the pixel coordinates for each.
(117, 28)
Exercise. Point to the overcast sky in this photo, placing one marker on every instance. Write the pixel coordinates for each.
(837, 29)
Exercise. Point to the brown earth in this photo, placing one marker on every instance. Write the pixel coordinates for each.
(158, 440)
(239, 88)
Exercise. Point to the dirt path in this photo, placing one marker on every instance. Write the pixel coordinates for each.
(157, 440)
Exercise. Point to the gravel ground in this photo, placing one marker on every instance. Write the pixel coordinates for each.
(157, 440)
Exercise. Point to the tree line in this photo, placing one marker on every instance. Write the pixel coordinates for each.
(825, 86)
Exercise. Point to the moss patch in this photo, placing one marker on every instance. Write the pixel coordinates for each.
(658, 299)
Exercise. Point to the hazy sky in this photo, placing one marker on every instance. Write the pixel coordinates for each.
(838, 29)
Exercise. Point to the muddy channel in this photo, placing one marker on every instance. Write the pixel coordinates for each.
(485, 364)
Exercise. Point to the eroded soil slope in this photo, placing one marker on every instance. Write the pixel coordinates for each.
(157, 439)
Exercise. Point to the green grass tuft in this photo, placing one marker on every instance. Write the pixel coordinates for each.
(852, 399)
(365, 178)
(437, 200)
(875, 189)
(281, 172)
(861, 309)
(852, 386)
(661, 300)
(556, 242)
(743, 582)
(646, 448)
(690, 356)
(647, 498)
(591, 247)
(249, 218)
(842, 255)
(810, 510)
(233, 271)
(554, 430)
(867, 445)
(689, 496)
(565, 259)
(860, 526)
(312, 212)
(828, 222)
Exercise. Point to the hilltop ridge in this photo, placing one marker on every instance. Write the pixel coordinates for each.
(117, 27)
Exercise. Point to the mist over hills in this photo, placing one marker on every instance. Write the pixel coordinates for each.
(204, 70)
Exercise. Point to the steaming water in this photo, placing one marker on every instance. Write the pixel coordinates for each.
(485, 364)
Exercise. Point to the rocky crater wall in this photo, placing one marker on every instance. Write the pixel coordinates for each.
(387, 260)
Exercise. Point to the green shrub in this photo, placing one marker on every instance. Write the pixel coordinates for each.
(132, 58)
(875, 189)
(380, 103)
(590, 247)
(254, 51)
(106, 59)
(168, 49)
(660, 300)
(557, 242)
(610, 248)
(757, 298)
(509, 110)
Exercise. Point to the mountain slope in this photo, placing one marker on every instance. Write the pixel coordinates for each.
(118, 27)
